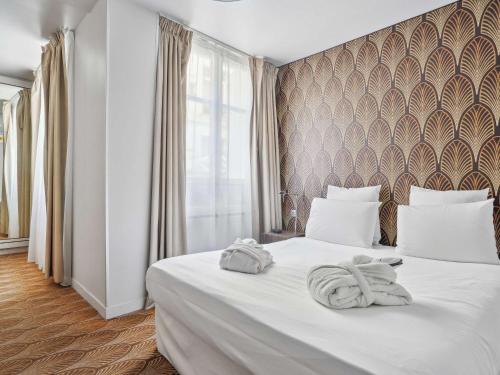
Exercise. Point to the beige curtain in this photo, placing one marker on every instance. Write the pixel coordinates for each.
(266, 205)
(56, 112)
(4, 210)
(168, 211)
(23, 124)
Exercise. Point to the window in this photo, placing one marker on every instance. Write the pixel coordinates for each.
(219, 101)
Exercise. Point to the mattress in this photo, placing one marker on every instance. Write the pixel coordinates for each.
(269, 324)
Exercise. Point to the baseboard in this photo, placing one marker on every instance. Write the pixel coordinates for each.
(90, 298)
(19, 250)
(124, 308)
(11, 244)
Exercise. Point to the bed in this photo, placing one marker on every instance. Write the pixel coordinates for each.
(211, 321)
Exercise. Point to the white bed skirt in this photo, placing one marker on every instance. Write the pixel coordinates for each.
(187, 351)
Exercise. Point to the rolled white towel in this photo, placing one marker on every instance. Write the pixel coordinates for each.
(359, 283)
(246, 256)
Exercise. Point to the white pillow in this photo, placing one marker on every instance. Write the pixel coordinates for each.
(461, 232)
(364, 194)
(421, 196)
(348, 223)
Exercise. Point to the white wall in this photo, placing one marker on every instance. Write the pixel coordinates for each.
(132, 71)
(89, 224)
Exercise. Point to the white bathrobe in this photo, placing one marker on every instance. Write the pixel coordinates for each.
(246, 256)
(360, 283)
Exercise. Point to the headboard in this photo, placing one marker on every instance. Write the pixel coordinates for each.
(417, 103)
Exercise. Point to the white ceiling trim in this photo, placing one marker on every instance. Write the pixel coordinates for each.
(287, 30)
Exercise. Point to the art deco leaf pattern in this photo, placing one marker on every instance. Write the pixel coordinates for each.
(439, 131)
(379, 137)
(322, 118)
(440, 68)
(402, 188)
(423, 41)
(311, 142)
(490, 22)
(478, 57)
(294, 185)
(393, 107)
(459, 29)
(354, 138)
(456, 161)
(355, 45)
(476, 127)
(304, 117)
(475, 6)
(313, 96)
(344, 66)
(354, 181)
(333, 92)
(385, 191)
(366, 111)
(332, 141)
(343, 115)
(414, 103)
(304, 77)
(287, 125)
(379, 82)
(288, 82)
(313, 60)
(393, 50)
(422, 162)
(323, 71)
(407, 75)
(489, 161)
(343, 165)
(295, 145)
(423, 101)
(323, 164)
(458, 95)
(438, 181)
(388, 222)
(303, 205)
(296, 99)
(367, 59)
(406, 134)
(476, 181)
(366, 164)
(281, 110)
(303, 166)
(379, 37)
(392, 163)
(407, 27)
(312, 187)
(489, 92)
(439, 16)
(355, 87)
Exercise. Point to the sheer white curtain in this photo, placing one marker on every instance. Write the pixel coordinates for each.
(218, 190)
(10, 167)
(38, 224)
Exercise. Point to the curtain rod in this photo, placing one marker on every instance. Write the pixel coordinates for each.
(205, 35)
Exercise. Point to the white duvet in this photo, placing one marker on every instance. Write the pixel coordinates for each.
(269, 324)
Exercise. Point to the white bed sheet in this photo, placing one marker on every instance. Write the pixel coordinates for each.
(269, 324)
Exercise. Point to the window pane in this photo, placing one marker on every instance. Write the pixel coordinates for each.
(217, 147)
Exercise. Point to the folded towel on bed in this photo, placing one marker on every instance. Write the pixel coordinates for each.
(359, 283)
(246, 256)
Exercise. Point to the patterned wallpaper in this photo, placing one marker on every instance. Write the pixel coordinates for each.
(417, 103)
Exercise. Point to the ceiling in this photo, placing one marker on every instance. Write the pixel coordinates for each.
(25, 25)
(280, 30)
(287, 30)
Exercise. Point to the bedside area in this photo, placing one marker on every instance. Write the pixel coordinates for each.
(270, 237)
